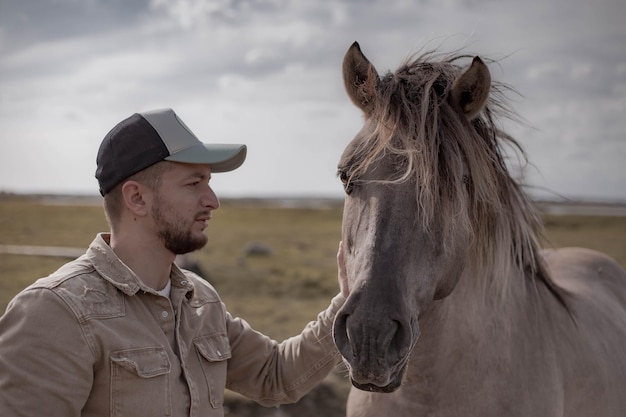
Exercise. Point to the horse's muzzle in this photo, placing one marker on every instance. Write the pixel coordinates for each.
(375, 349)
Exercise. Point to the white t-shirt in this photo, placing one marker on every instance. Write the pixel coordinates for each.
(165, 292)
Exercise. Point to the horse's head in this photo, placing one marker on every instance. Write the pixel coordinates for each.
(412, 196)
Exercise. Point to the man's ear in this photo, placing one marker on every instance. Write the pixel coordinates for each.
(136, 198)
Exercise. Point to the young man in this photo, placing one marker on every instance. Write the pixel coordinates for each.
(122, 331)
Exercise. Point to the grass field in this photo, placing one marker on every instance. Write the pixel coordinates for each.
(278, 292)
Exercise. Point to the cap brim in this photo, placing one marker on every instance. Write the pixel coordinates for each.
(221, 157)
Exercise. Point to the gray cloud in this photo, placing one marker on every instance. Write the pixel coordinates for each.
(28, 22)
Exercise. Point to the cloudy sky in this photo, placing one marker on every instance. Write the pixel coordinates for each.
(267, 73)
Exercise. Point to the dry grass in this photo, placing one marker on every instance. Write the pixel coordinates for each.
(278, 293)
(604, 233)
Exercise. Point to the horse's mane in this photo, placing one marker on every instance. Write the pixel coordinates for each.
(458, 166)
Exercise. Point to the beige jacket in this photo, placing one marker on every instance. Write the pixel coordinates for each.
(92, 340)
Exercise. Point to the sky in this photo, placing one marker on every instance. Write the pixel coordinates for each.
(267, 73)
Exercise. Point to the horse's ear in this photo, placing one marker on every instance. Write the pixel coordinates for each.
(360, 79)
(471, 89)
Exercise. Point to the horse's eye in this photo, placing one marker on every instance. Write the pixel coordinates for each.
(345, 179)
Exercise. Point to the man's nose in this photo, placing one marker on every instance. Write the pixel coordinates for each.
(209, 199)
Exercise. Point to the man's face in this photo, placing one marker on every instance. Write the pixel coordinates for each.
(182, 207)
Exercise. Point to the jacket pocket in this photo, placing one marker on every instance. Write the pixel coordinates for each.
(213, 353)
(140, 382)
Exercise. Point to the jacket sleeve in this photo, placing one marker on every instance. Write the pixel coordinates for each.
(274, 373)
(45, 362)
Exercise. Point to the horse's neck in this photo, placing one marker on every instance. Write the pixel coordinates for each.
(477, 302)
(475, 328)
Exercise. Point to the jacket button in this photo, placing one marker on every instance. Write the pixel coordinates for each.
(164, 314)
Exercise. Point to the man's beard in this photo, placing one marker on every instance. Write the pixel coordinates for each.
(175, 235)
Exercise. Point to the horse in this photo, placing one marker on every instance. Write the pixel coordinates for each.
(454, 307)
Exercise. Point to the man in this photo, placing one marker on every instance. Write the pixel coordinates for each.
(122, 331)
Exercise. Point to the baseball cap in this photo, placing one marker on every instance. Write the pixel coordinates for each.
(144, 139)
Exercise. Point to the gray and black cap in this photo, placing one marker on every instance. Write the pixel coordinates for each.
(144, 139)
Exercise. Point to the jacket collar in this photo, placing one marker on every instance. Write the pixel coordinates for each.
(112, 269)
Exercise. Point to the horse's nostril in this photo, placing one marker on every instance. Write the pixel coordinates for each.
(402, 338)
(341, 336)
